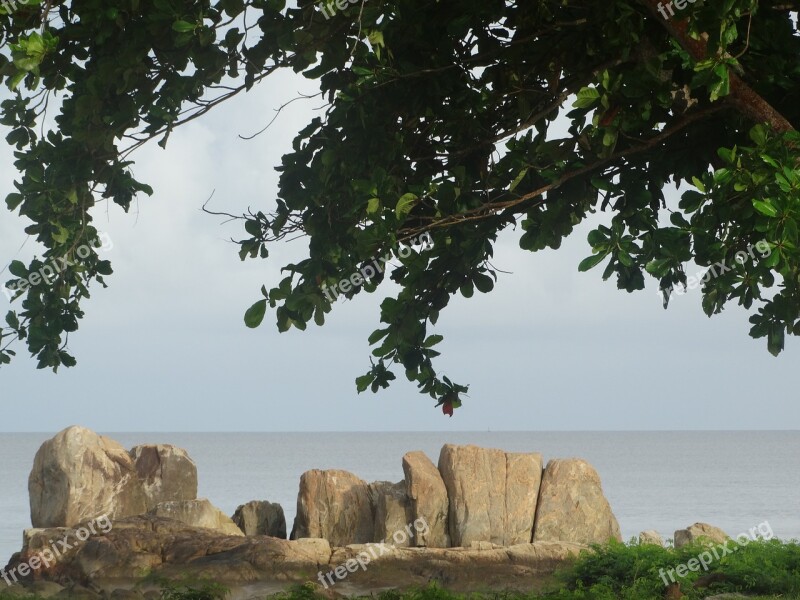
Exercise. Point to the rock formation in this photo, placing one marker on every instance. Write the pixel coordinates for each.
(166, 472)
(391, 513)
(427, 495)
(168, 548)
(334, 505)
(695, 532)
(197, 513)
(260, 517)
(572, 507)
(78, 475)
(492, 494)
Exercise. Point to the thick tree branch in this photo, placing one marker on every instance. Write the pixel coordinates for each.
(744, 98)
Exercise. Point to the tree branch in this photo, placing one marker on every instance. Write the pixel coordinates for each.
(744, 98)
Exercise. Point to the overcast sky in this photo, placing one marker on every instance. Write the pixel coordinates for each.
(164, 348)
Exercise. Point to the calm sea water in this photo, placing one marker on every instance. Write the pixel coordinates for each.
(654, 480)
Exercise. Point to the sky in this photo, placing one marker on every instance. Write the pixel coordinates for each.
(165, 348)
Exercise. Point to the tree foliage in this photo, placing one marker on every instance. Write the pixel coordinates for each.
(454, 119)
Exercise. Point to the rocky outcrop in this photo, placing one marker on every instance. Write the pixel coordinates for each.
(572, 506)
(260, 517)
(78, 475)
(428, 500)
(197, 513)
(651, 536)
(167, 548)
(392, 513)
(334, 505)
(492, 494)
(698, 531)
(166, 472)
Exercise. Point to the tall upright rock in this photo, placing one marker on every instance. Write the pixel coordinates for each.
(166, 472)
(572, 506)
(492, 494)
(79, 475)
(392, 513)
(334, 505)
(428, 497)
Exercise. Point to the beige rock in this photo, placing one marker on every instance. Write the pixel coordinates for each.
(136, 546)
(650, 536)
(392, 509)
(428, 496)
(166, 472)
(695, 532)
(78, 475)
(260, 517)
(334, 505)
(572, 507)
(197, 513)
(492, 494)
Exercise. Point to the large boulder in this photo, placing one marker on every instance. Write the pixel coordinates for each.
(197, 513)
(166, 472)
(698, 532)
(392, 510)
(492, 494)
(78, 475)
(334, 505)
(572, 507)
(427, 495)
(260, 517)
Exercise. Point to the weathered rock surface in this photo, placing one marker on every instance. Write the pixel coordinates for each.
(168, 548)
(166, 472)
(572, 507)
(492, 494)
(428, 497)
(651, 536)
(392, 513)
(694, 532)
(334, 505)
(259, 517)
(78, 475)
(197, 513)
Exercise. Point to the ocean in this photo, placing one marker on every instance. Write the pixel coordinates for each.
(653, 480)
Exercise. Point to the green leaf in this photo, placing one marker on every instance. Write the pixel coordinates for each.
(433, 340)
(183, 26)
(775, 340)
(586, 97)
(363, 382)
(255, 314)
(13, 201)
(373, 205)
(765, 208)
(18, 269)
(517, 180)
(405, 204)
(591, 261)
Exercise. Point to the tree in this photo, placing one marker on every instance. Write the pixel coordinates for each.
(442, 124)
